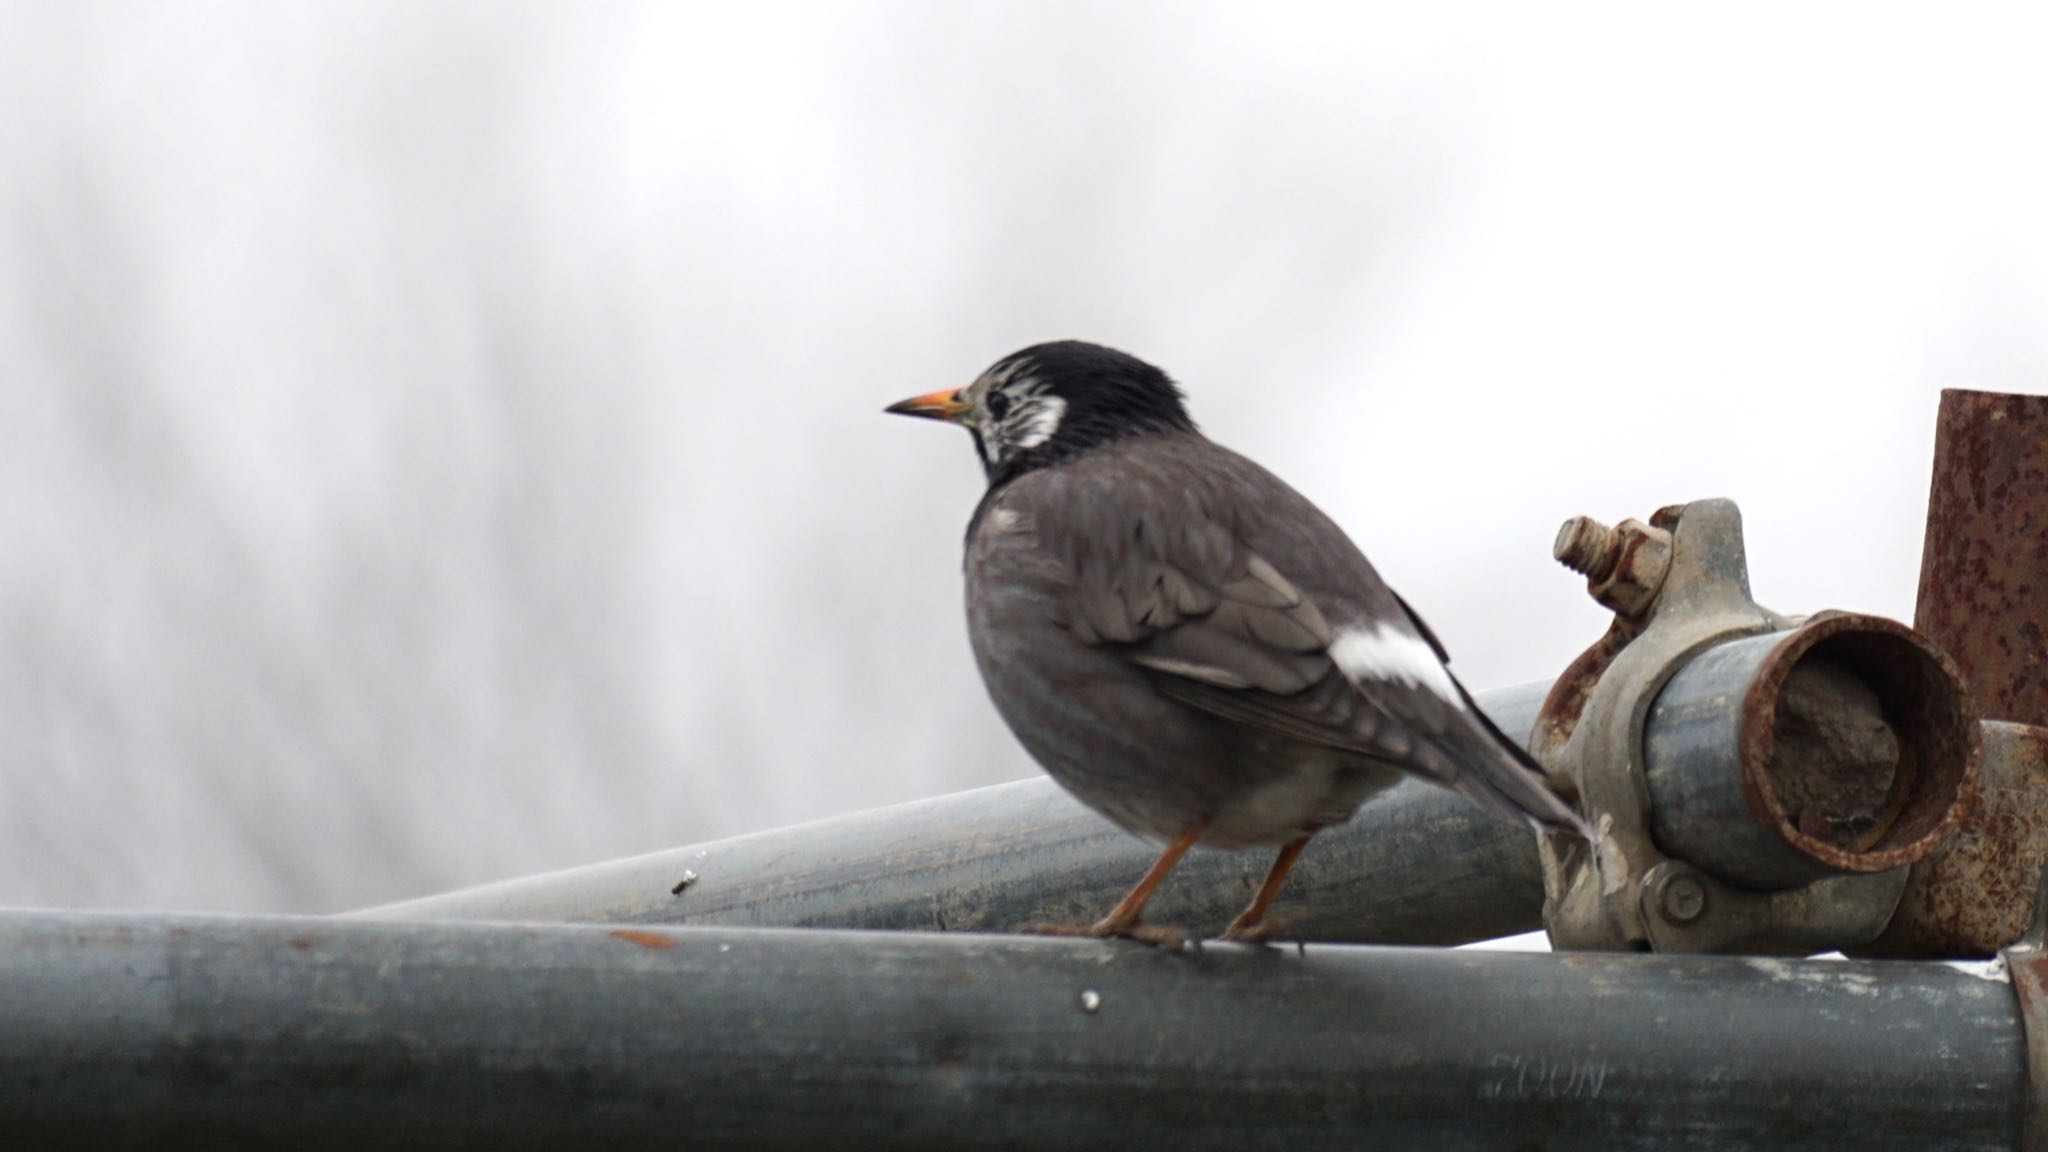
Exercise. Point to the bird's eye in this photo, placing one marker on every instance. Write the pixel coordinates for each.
(998, 405)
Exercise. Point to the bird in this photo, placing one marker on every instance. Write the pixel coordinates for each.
(1185, 643)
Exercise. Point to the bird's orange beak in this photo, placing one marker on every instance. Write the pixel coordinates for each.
(944, 404)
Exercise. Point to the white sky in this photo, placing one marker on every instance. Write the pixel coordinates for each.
(442, 441)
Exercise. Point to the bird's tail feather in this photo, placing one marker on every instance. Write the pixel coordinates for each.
(1505, 779)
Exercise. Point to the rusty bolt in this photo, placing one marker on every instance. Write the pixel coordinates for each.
(1624, 565)
(1683, 899)
(1588, 547)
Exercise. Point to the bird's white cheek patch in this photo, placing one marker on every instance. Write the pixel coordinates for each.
(1037, 423)
(1383, 652)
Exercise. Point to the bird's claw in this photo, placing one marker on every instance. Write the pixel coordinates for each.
(1161, 936)
(1256, 932)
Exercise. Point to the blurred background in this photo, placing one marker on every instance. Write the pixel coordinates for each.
(443, 441)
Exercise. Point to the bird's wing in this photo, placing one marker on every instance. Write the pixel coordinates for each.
(1222, 629)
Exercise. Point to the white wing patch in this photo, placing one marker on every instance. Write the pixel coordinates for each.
(1384, 652)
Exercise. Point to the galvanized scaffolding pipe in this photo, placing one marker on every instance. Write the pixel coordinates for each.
(1843, 745)
(1419, 865)
(152, 1031)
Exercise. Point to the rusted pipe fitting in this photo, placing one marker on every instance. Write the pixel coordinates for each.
(1786, 769)
(1843, 746)
(1624, 565)
(1976, 894)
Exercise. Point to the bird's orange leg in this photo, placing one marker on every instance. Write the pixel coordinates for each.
(1251, 923)
(1125, 920)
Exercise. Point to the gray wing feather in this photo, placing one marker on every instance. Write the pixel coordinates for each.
(1254, 649)
(1191, 594)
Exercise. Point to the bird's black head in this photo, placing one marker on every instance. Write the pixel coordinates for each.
(1051, 401)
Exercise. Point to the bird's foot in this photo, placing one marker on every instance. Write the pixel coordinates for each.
(1164, 937)
(1161, 936)
(1261, 931)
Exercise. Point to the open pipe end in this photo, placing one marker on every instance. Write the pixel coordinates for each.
(1858, 744)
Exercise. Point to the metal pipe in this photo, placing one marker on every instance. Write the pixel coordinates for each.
(1984, 567)
(1975, 895)
(1984, 599)
(182, 1031)
(1418, 865)
(1844, 745)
